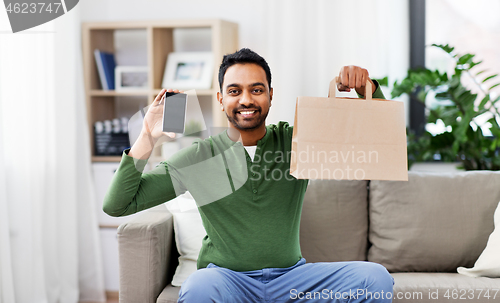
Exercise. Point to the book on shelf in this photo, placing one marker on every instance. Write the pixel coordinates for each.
(106, 68)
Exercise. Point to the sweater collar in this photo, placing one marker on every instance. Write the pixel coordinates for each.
(227, 140)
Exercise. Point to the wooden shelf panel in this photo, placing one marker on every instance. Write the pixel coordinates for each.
(116, 93)
(106, 158)
(113, 226)
(113, 93)
(199, 92)
(171, 23)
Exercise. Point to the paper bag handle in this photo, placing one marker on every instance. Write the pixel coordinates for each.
(333, 89)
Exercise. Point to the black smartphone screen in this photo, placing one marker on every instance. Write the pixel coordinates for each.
(174, 112)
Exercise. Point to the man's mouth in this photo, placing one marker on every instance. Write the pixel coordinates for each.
(247, 113)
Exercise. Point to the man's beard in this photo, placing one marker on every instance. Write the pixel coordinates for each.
(259, 122)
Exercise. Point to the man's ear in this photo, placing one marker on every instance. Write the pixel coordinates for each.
(219, 98)
(270, 96)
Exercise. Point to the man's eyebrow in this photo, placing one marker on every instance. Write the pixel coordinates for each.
(232, 85)
(251, 85)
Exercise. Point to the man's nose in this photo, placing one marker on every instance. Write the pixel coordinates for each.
(246, 99)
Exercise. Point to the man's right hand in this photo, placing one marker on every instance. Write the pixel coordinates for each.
(153, 120)
(152, 128)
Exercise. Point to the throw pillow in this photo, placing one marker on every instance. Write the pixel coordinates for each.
(435, 222)
(189, 232)
(488, 264)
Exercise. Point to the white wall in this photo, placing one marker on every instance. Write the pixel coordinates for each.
(305, 42)
(248, 14)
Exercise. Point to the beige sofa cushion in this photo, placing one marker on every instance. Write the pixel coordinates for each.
(433, 222)
(334, 223)
(444, 287)
(170, 294)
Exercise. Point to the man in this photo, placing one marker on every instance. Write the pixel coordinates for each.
(251, 252)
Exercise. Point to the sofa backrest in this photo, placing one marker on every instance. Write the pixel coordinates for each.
(334, 223)
(433, 222)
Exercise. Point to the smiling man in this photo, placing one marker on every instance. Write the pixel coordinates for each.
(245, 102)
(249, 203)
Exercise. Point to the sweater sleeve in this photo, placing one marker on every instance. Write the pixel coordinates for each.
(377, 94)
(132, 191)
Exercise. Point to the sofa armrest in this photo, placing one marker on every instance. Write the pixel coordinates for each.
(144, 246)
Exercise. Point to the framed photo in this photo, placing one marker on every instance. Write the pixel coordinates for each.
(131, 77)
(188, 70)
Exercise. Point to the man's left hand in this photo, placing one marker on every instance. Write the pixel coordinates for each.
(353, 77)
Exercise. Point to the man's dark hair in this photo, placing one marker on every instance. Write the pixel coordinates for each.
(244, 55)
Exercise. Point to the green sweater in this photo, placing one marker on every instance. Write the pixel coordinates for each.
(250, 209)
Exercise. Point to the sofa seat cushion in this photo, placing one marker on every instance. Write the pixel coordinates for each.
(434, 222)
(444, 287)
(334, 222)
(170, 294)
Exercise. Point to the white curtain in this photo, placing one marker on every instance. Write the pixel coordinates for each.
(49, 247)
(307, 42)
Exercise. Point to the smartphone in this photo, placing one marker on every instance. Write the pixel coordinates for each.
(174, 112)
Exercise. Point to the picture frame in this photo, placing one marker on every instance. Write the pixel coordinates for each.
(131, 77)
(188, 70)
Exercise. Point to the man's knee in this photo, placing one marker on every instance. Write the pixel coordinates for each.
(375, 282)
(202, 286)
(377, 278)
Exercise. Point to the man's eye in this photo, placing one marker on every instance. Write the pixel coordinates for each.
(232, 91)
(258, 90)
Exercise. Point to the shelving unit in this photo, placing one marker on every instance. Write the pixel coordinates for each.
(102, 105)
(158, 39)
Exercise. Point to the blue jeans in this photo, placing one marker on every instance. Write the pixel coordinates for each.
(355, 281)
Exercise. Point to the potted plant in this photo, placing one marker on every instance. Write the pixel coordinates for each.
(458, 108)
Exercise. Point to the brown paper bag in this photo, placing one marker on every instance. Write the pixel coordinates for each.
(349, 139)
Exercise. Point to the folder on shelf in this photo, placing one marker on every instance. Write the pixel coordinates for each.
(106, 67)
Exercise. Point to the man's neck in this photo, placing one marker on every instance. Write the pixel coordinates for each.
(247, 137)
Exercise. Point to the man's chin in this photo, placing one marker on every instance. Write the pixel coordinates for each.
(246, 125)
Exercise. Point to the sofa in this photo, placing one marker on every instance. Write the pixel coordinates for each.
(421, 231)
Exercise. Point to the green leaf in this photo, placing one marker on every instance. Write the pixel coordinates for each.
(454, 81)
(442, 96)
(496, 161)
(484, 101)
(446, 48)
(383, 81)
(479, 73)
(472, 64)
(460, 131)
(444, 140)
(494, 86)
(495, 131)
(465, 59)
(490, 77)
(421, 95)
(405, 87)
(494, 123)
(493, 145)
(466, 99)
(449, 116)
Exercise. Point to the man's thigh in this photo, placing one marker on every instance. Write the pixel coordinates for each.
(332, 282)
(222, 285)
